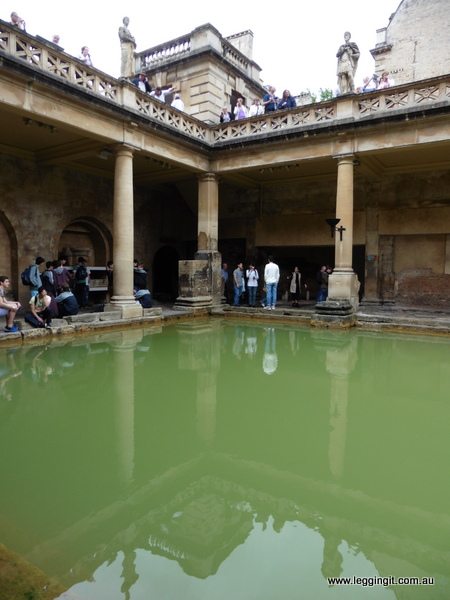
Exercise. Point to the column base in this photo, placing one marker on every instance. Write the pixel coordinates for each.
(194, 301)
(337, 314)
(128, 307)
(344, 285)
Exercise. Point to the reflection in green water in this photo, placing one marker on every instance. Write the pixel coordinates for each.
(211, 461)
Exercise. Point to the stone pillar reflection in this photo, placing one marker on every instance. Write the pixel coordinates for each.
(340, 362)
(199, 351)
(206, 404)
(343, 283)
(123, 234)
(122, 371)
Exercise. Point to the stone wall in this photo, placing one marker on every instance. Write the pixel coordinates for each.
(416, 43)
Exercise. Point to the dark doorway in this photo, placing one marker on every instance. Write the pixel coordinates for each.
(165, 274)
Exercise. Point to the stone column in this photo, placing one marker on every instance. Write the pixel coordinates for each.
(200, 281)
(343, 283)
(208, 212)
(123, 235)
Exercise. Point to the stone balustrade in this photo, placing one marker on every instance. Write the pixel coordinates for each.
(47, 58)
(167, 51)
(232, 54)
(421, 95)
(424, 94)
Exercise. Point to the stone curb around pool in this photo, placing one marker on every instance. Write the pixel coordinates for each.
(84, 324)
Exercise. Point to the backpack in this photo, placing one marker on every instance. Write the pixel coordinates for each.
(81, 273)
(25, 276)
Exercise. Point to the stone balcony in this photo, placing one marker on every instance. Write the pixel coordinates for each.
(22, 51)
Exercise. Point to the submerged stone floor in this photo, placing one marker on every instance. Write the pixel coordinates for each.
(414, 319)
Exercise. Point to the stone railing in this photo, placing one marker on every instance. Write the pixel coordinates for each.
(153, 56)
(380, 103)
(421, 95)
(175, 119)
(283, 120)
(232, 54)
(45, 57)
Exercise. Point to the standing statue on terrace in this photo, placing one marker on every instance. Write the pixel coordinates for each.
(128, 46)
(348, 56)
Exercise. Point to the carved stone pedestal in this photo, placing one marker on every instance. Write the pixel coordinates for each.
(200, 281)
(338, 314)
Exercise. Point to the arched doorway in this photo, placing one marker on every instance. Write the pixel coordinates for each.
(165, 274)
(86, 237)
(8, 252)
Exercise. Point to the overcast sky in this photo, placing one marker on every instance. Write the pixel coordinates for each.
(295, 43)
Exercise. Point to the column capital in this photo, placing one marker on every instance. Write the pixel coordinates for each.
(124, 150)
(345, 158)
(209, 176)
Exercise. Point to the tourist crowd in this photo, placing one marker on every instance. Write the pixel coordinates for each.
(270, 102)
(57, 290)
(249, 284)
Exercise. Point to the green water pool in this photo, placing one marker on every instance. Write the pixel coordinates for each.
(214, 461)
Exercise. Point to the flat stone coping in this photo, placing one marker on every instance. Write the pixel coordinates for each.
(374, 318)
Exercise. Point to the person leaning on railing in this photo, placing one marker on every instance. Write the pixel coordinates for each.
(17, 21)
(286, 101)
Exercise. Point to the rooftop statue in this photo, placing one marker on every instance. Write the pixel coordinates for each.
(348, 56)
(127, 45)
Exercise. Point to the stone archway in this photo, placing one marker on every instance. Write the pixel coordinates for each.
(86, 237)
(165, 274)
(8, 252)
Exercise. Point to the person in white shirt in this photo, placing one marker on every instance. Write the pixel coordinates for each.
(177, 102)
(159, 94)
(271, 279)
(256, 108)
(85, 56)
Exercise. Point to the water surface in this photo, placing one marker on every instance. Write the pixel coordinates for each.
(213, 460)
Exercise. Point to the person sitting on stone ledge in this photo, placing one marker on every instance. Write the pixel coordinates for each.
(8, 308)
(144, 298)
(67, 303)
(142, 82)
(160, 94)
(41, 311)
